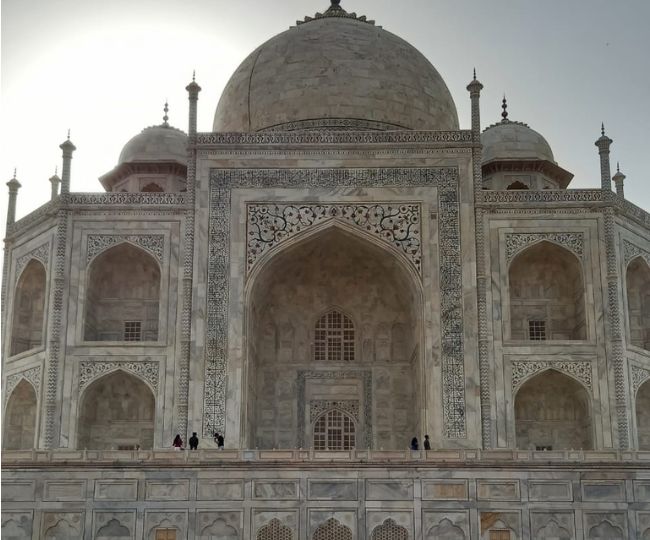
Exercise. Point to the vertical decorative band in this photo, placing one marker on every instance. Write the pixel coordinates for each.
(451, 309)
(615, 335)
(182, 387)
(55, 336)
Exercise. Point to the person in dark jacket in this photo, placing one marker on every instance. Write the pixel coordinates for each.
(427, 443)
(194, 441)
(414, 444)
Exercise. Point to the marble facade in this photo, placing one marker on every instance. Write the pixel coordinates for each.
(392, 272)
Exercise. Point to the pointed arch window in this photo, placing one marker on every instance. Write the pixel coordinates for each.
(334, 430)
(334, 338)
(29, 309)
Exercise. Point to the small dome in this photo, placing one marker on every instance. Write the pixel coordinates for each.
(156, 144)
(336, 71)
(510, 140)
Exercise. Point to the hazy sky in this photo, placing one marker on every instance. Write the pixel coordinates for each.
(104, 69)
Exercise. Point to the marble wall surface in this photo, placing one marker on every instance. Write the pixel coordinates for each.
(323, 495)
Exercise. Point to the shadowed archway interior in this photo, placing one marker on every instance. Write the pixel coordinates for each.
(552, 412)
(29, 308)
(117, 412)
(20, 418)
(123, 296)
(543, 307)
(638, 302)
(324, 314)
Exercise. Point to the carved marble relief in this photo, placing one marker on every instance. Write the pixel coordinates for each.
(269, 225)
(517, 242)
(319, 406)
(630, 251)
(222, 181)
(522, 371)
(638, 376)
(33, 375)
(41, 253)
(89, 370)
(152, 243)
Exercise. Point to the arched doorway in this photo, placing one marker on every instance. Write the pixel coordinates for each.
(643, 415)
(117, 412)
(543, 307)
(552, 412)
(333, 324)
(20, 418)
(638, 302)
(123, 296)
(334, 430)
(29, 309)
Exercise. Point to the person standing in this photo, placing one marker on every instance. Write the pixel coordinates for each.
(414, 444)
(220, 441)
(427, 443)
(178, 442)
(194, 441)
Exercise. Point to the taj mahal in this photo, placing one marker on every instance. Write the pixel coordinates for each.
(335, 269)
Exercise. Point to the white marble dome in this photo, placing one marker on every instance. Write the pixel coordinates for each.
(156, 144)
(510, 140)
(335, 71)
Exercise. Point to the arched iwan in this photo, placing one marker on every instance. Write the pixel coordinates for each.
(553, 412)
(343, 271)
(122, 296)
(117, 411)
(543, 307)
(28, 323)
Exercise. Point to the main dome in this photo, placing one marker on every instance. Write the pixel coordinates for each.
(335, 71)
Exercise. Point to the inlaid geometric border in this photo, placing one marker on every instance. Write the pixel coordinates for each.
(630, 251)
(31, 375)
(517, 242)
(91, 370)
(396, 223)
(223, 181)
(98, 243)
(41, 253)
(523, 371)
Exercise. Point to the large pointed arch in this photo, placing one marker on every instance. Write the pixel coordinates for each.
(552, 410)
(116, 411)
(637, 281)
(332, 267)
(28, 321)
(642, 406)
(122, 295)
(543, 307)
(20, 417)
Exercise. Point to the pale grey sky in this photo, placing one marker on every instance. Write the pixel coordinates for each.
(104, 69)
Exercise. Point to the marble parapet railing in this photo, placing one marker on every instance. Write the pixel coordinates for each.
(477, 458)
(86, 201)
(444, 138)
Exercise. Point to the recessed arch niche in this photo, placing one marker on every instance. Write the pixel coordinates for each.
(29, 308)
(117, 411)
(123, 296)
(335, 270)
(542, 306)
(20, 418)
(638, 302)
(552, 411)
(643, 415)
